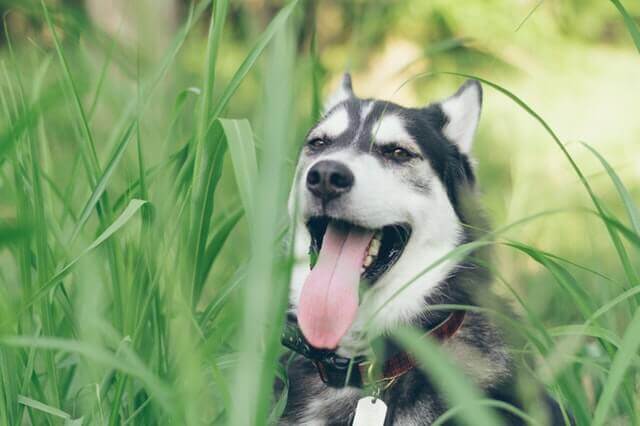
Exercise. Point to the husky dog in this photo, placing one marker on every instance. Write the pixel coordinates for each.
(382, 193)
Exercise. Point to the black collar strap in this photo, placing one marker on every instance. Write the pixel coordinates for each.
(337, 371)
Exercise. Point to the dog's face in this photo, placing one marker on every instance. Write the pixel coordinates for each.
(376, 198)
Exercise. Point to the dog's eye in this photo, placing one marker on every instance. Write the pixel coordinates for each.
(397, 153)
(317, 143)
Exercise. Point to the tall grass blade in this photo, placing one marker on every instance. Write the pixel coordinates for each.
(613, 302)
(629, 22)
(243, 157)
(268, 271)
(101, 79)
(205, 182)
(276, 24)
(24, 400)
(529, 15)
(586, 330)
(562, 276)
(101, 184)
(220, 236)
(621, 363)
(213, 43)
(629, 234)
(215, 37)
(627, 200)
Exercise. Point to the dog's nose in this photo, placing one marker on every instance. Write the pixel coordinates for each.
(329, 179)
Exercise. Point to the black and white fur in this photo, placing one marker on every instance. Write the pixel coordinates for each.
(433, 192)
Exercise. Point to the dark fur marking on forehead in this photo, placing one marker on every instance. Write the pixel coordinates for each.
(378, 110)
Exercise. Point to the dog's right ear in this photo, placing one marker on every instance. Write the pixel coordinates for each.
(462, 113)
(341, 94)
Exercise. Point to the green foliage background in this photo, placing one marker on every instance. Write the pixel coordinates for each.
(145, 157)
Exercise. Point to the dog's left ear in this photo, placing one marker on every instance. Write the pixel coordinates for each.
(341, 94)
(462, 113)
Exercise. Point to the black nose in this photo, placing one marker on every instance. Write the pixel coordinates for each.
(329, 179)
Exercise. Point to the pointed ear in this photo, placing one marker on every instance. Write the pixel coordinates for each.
(462, 112)
(342, 93)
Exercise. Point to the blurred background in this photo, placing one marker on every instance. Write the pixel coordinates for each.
(572, 61)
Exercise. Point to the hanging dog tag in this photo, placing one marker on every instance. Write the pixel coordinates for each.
(370, 412)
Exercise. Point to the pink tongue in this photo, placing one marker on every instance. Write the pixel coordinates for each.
(329, 299)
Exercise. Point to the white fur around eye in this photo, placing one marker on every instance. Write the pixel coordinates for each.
(332, 126)
(391, 128)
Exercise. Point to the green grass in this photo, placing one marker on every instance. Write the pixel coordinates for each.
(144, 241)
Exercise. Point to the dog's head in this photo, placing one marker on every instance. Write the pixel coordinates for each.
(376, 196)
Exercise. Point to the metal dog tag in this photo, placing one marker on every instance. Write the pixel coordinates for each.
(370, 412)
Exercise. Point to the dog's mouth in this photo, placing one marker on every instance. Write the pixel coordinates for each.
(384, 249)
(343, 254)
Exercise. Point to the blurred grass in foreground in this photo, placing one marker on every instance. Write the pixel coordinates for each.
(143, 255)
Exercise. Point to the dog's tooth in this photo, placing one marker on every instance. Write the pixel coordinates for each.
(374, 248)
(367, 261)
